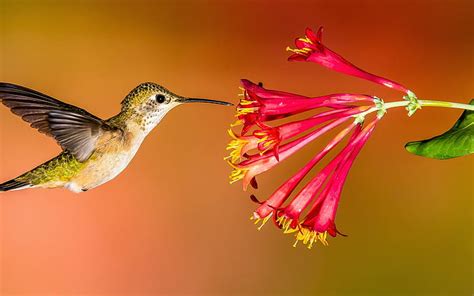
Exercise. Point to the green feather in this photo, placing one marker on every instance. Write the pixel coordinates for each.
(61, 168)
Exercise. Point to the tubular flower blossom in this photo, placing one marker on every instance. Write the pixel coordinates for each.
(268, 136)
(259, 105)
(310, 48)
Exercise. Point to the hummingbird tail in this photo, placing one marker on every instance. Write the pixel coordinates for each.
(14, 185)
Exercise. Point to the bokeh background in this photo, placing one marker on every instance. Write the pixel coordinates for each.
(170, 224)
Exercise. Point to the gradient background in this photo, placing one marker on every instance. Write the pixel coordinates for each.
(170, 224)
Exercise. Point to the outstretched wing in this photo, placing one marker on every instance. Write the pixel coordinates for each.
(74, 129)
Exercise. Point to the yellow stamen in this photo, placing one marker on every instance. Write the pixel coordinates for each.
(267, 144)
(236, 145)
(296, 242)
(237, 123)
(309, 237)
(311, 241)
(242, 92)
(246, 110)
(285, 224)
(244, 102)
(237, 174)
(303, 51)
(305, 39)
(233, 135)
(258, 219)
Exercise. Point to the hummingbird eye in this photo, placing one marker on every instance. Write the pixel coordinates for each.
(160, 98)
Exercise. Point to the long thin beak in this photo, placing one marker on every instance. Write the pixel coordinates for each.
(198, 100)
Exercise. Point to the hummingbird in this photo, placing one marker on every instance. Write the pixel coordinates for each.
(94, 150)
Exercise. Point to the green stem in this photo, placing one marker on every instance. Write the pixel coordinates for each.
(431, 103)
(422, 103)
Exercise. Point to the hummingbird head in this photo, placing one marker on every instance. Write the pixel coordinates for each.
(149, 102)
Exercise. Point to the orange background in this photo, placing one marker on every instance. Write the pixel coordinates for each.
(170, 223)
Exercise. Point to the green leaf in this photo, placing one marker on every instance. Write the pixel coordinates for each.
(458, 141)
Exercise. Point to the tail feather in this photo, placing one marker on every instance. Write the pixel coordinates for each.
(14, 185)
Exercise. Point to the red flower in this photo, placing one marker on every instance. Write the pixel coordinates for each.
(311, 49)
(267, 140)
(283, 192)
(261, 144)
(266, 146)
(260, 105)
(320, 220)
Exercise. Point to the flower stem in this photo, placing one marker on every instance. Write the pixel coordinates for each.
(431, 103)
(422, 103)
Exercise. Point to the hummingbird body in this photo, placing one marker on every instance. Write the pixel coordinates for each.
(94, 151)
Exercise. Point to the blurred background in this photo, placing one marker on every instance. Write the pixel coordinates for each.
(171, 224)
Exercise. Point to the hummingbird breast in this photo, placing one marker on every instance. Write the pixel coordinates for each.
(111, 157)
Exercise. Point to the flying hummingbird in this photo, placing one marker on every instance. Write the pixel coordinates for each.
(94, 150)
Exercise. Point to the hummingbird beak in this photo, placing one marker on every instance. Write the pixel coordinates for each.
(198, 100)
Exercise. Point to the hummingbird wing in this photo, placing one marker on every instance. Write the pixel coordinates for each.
(75, 129)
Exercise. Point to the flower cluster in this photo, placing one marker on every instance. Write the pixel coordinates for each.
(268, 137)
